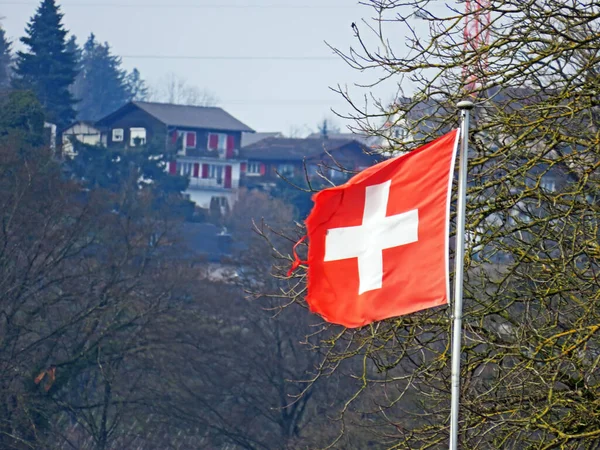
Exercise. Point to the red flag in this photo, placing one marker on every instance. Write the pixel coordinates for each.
(378, 245)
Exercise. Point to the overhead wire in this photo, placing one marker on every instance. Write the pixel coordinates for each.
(228, 57)
(216, 57)
(183, 5)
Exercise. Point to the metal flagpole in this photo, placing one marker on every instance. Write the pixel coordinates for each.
(459, 258)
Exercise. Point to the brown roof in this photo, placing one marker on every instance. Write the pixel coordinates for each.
(288, 149)
(366, 139)
(253, 138)
(208, 117)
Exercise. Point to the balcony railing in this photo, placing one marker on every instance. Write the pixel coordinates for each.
(205, 153)
(212, 183)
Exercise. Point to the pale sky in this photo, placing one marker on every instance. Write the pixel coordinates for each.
(290, 92)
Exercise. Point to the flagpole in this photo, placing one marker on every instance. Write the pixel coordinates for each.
(459, 258)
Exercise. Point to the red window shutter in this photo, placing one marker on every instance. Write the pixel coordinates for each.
(174, 136)
(230, 146)
(228, 176)
(172, 167)
(263, 169)
(204, 170)
(196, 170)
(213, 141)
(243, 167)
(190, 139)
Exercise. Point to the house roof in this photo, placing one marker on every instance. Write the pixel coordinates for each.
(288, 149)
(89, 123)
(208, 117)
(366, 139)
(252, 138)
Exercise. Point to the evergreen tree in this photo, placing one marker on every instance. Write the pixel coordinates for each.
(75, 50)
(102, 85)
(21, 118)
(140, 169)
(48, 67)
(5, 60)
(137, 86)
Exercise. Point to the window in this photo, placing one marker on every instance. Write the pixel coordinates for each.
(223, 143)
(216, 172)
(190, 139)
(253, 168)
(137, 136)
(285, 169)
(118, 134)
(184, 169)
(221, 201)
(221, 205)
(217, 141)
(337, 175)
(548, 184)
(400, 133)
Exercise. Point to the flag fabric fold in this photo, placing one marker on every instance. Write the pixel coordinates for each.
(378, 244)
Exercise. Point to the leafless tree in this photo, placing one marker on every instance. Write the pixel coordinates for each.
(239, 374)
(84, 298)
(175, 89)
(532, 345)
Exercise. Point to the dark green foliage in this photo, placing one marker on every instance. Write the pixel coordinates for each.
(137, 86)
(297, 193)
(22, 117)
(75, 49)
(5, 60)
(141, 169)
(48, 67)
(326, 127)
(102, 86)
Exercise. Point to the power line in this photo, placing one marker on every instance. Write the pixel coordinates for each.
(235, 58)
(281, 102)
(181, 5)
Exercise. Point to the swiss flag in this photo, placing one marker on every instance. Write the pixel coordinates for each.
(378, 245)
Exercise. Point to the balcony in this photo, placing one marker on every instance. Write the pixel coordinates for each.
(212, 184)
(205, 153)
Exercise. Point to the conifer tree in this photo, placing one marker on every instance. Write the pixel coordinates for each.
(47, 67)
(102, 84)
(137, 86)
(5, 60)
(74, 48)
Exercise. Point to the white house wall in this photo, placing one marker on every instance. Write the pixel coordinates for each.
(84, 133)
(202, 190)
(203, 198)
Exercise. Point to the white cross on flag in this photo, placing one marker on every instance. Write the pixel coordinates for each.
(378, 245)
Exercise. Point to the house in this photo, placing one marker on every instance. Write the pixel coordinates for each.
(519, 176)
(252, 138)
(371, 141)
(207, 141)
(84, 132)
(50, 134)
(337, 159)
(383, 139)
